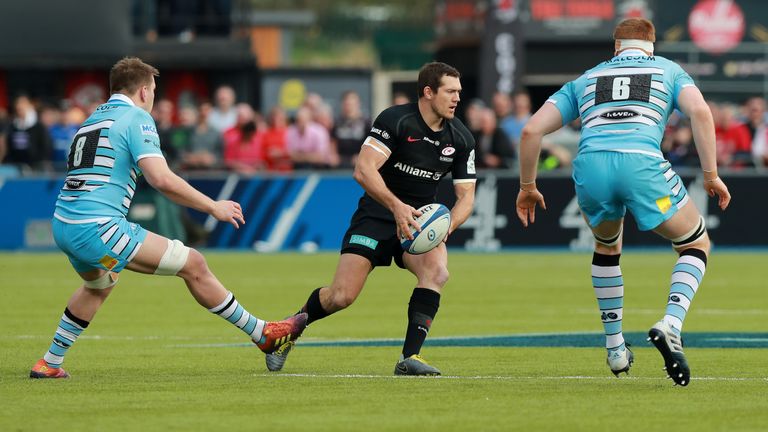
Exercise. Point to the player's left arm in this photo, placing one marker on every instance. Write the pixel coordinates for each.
(465, 201)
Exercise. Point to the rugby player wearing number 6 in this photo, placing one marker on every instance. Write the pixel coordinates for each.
(409, 148)
(117, 143)
(624, 104)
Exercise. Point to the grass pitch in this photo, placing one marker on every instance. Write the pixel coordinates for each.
(154, 360)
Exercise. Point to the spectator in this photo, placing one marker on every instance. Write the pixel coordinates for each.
(309, 143)
(313, 101)
(162, 112)
(678, 146)
(734, 146)
(62, 133)
(474, 115)
(513, 124)
(50, 116)
(27, 144)
(224, 114)
(400, 98)
(350, 129)
(502, 106)
(205, 144)
(243, 150)
(324, 116)
(274, 141)
(493, 149)
(758, 128)
(755, 114)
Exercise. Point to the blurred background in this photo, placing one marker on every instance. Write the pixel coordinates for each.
(267, 102)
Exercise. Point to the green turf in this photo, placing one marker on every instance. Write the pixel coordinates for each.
(154, 360)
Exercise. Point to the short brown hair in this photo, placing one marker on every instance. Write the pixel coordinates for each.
(130, 73)
(635, 28)
(431, 74)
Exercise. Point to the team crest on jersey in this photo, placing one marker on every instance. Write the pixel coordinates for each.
(448, 151)
(148, 129)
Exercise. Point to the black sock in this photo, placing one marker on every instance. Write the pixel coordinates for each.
(421, 311)
(314, 308)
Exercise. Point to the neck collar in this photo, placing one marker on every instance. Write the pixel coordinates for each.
(121, 97)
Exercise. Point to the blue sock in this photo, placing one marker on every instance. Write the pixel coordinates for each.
(231, 311)
(609, 290)
(70, 327)
(686, 278)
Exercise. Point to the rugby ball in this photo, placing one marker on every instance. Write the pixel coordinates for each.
(435, 221)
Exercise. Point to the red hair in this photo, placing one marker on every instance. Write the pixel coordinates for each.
(635, 28)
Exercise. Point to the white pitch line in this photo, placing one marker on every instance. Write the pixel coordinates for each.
(499, 377)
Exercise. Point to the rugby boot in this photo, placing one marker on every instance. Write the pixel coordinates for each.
(415, 365)
(42, 370)
(670, 345)
(278, 333)
(620, 360)
(276, 359)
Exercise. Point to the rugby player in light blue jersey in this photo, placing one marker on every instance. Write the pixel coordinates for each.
(624, 104)
(115, 145)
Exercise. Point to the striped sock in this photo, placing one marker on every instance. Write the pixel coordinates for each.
(66, 334)
(686, 277)
(231, 311)
(609, 290)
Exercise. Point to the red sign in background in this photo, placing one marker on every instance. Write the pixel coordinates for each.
(716, 26)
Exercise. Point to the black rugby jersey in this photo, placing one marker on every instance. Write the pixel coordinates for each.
(420, 156)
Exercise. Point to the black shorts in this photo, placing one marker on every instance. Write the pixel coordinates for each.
(372, 234)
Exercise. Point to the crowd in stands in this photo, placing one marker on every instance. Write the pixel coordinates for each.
(227, 135)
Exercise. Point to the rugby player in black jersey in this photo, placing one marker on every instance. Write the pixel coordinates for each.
(408, 150)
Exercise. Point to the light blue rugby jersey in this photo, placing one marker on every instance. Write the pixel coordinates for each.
(103, 161)
(624, 103)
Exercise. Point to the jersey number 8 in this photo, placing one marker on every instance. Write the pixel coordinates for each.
(82, 153)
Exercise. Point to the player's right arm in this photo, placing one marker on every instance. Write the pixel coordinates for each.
(546, 120)
(160, 177)
(372, 157)
(143, 143)
(692, 103)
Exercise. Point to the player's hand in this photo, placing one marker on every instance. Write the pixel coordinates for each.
(717, 187)
(228, 211)
(526, 205)
(405, 219)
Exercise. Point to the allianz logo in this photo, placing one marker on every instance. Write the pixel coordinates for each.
(417, 172)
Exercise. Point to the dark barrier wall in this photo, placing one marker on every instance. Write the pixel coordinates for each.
(494, 224)
(311, 212)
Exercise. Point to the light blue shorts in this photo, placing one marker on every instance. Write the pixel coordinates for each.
(607, 183)
(109, 244)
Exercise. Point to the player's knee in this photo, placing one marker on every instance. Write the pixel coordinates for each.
(342, 299)
(102, 284)
(174, 259)
(609, 242)
(697, 238)
(437, 275)
(195, 266)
